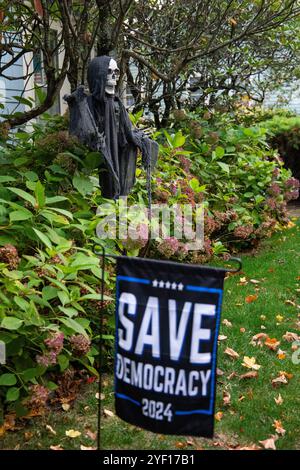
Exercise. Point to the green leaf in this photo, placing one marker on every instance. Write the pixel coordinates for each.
(51, 385)
(74, 325)
(29, 374)
(83, 184)
(49, 292)
(12, 394)
(40, 93)
(53, 217)
(69, 311)
(24, 195)
(8, 379)
(21, 161)
(62, 211)
(23, 214)
(63, 297)
(21, 303)
(178, 140)
(43, 238)
(63, 362)
(40, 194)
(22, 100)
(224, 167)
(6, 179)
(58, 284)
(220, 152)
(93, 160)
(31, 176)
(11, 323)
(54, 199)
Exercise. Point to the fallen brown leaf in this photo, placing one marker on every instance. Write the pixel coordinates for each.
(108, 413)
(180, 445)
(258, 340)
(73, 433)
(254, 281)
(58, 447)
(219, 415)
(279, 380)
(278, 427)
(281, 354)
(226, 322)
(251, 298)
(233, 374)
(226, 398)
(251, 447)
(278, 400)
(269, 443)
(190, 442)
(288, 375)
(222, 337)
(50, 429)
(230, 352)
(290, 337)
(272, 343)
(253, 374)
(250, 363)
(92, 435)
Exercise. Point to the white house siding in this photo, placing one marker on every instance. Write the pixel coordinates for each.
(288, 98)
(11, 88)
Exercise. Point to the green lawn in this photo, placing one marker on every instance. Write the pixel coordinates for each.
(252, 411)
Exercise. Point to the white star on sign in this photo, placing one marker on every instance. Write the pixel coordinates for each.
(174, 285)
(155, 283)
(167, 285)
(161, 283)
(180, 286)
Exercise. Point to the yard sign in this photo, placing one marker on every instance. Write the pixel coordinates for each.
(167, 323)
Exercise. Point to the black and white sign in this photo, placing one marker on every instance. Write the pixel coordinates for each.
(167, 323)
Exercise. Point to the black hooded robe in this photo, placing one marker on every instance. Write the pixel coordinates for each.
(101, 122)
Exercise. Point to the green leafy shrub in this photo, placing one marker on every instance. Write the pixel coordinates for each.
(50, 279)
(233, 170)
(284, 135)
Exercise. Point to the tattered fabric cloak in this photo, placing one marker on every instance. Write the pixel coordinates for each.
(101, 122)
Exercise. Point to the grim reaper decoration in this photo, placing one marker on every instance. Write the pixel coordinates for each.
(100, 121)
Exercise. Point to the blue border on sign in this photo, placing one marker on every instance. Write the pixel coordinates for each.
(214, 353)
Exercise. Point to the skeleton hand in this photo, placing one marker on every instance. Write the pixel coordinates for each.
(148, 131)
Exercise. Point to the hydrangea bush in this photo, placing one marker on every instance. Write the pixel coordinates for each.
(50, 278)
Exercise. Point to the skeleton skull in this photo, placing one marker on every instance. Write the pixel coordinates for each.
(112, 77)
